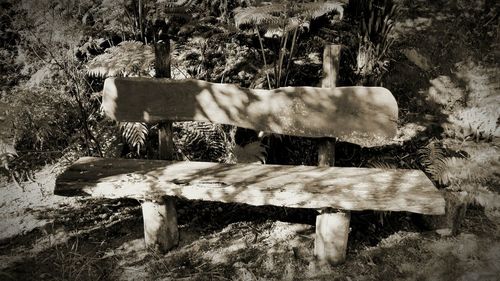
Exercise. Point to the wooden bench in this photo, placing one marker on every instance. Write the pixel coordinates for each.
(363, 115)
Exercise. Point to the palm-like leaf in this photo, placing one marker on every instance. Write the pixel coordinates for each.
(318, 9)
(285, 16)
(262, 15)
(174, 8)
(129, 58)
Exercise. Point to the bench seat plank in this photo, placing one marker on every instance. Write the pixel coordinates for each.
(363, 115)
(254, 184)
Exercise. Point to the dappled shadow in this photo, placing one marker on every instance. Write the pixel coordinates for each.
(279, 185)
(362, 115)
(434, 44)
(74, 245)
(433, 39)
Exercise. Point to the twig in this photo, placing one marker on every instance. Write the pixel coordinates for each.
(492, 18)
(264, 58)
(16, 182)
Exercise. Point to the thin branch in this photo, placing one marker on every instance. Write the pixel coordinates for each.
(292, 49)
(72, 76)
(264, 58)
(281, 58)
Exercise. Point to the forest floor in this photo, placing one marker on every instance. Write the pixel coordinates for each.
(47, 237)
(62, 238)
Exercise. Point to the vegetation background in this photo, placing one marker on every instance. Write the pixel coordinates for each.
(439, 59)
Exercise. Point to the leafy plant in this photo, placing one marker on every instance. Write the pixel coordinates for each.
(376, 24)
(472, 174)
(382, 165)
(282, 21)
(138, 19)
(135, 133)
(200, 141)
(129, 58)
(474, 122)
(254, 152)
(7, 152)
(432, 157)
(133, 58)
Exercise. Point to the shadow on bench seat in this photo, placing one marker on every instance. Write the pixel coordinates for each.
(254, 184)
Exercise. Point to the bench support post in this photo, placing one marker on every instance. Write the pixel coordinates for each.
(332, 230)
(326, 152)
(160, 224)
(160, 217)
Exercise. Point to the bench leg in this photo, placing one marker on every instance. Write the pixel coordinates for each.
(160, 224)
(332, 230)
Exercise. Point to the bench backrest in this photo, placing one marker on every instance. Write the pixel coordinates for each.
(363, 115)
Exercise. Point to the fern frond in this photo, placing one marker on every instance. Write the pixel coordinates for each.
(134, 133)
(260, 16)
(382, 165)
(203, 141)
(430, 153)
(280, 14)
(254, 152)
(318, 9)
(479, 122)
(457, 171)
(432, 157)
(129, 58)
(177, 8)
(465, 170)
(179, 4)
(440, 171)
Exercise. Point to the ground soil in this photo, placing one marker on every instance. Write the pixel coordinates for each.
(47, 237)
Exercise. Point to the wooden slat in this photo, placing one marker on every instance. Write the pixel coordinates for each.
(280, 185)
(363, 115)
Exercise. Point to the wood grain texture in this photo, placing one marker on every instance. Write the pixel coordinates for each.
(332, 231)
(363, 115)
(331, 65)
(280, 185)
(165, 141)
(332, 228)
(161, 232)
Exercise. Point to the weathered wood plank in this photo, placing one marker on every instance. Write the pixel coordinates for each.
(280, 185)
(363, 115)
